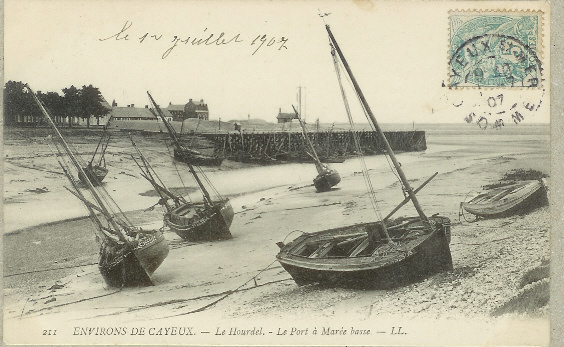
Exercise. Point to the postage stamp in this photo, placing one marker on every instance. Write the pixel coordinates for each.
(495, 49)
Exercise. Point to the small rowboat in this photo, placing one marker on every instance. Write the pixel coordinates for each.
(507, 200)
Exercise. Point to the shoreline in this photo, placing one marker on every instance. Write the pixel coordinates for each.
(491, 257)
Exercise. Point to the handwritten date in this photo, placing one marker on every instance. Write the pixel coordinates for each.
(204, 39)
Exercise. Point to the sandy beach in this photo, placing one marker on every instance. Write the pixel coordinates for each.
(234, 292)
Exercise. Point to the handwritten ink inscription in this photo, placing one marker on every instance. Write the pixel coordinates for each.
(206, 38)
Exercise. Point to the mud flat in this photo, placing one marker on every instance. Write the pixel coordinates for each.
(497, 291)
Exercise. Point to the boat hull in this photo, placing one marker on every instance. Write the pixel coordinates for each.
(506, 201)
(95, 174)
(124, 266)
(196, 158)
(325, 180)
(422, 256)
(210, 224)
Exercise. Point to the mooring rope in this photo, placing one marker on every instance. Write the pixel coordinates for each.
(228, 293)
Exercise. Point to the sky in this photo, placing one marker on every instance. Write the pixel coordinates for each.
(397, 51)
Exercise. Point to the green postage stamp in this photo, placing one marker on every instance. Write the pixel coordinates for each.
(495, 49)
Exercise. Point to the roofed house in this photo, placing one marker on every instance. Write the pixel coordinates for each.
(285, 117)
(132, 113)
(177, 111)
(197, 109)
(193, 109)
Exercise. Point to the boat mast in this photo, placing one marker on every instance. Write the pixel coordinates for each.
(318, 164)
(207, 197)
(402, 176)
(101, 205)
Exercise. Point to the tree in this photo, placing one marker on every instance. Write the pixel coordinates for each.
(91, 103)
(71, 103)
(19, 105)
(55, 103)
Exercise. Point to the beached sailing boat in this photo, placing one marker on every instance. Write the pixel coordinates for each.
(208, 220)
(326, 177)
(381, 254)
(183, 153)
(128, 255)
(96, 172)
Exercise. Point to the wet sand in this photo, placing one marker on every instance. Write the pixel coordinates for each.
(491, 257)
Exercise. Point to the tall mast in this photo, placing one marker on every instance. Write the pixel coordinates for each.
(299, 101)
(378, 129)
(177, 143)
(315, 157)
(66, 147)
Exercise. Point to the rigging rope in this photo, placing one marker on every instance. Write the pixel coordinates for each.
(170, 129)
(109, 203)
(174, 164)
(367, 180)
(392, 167)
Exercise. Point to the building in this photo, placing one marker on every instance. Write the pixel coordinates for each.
(132, 113)
(198, 110)
(177, 111)
(285, 117)
(193, 109)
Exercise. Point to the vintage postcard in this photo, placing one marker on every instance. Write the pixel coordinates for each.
(277, 173)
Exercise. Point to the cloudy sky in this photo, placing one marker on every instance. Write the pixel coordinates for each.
(397, 51)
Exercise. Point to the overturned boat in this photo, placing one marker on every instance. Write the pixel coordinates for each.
(128, 255)
(507, 200)
(381, 254)
(195, 221)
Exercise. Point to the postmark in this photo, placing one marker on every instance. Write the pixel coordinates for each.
(495, 49)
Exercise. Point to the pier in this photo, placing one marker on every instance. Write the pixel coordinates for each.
(291, 146)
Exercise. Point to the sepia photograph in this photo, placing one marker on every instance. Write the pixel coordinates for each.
(277, 173)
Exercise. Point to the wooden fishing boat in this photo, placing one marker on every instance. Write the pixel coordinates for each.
(128, 255)
(381, 254)
(97, 172)
(508, 200)
(200, 221)
(182, 153)
(209, 220)
(349, 257)
(326, 177)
